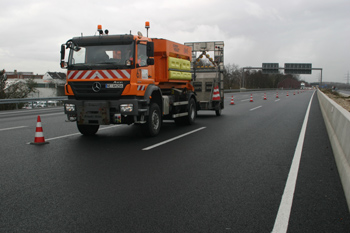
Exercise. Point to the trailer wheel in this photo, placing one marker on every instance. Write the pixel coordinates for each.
(218, 112)
(153, 121)
(88, 130)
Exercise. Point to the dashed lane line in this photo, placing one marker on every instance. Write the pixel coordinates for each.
(255, 108)
(73, 134)
(17, 127)
(172, 139)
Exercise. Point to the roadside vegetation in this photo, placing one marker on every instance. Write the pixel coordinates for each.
(20, 89)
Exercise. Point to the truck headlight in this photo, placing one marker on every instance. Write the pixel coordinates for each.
(126, 108)
(70, 107)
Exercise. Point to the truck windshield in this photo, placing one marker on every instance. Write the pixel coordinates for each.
(107, 56)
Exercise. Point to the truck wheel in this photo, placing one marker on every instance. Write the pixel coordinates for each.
(88, 130)
(153, 121)
(191, 117)
(192, 112)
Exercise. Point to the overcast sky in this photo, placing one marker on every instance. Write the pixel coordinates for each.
(298, 31)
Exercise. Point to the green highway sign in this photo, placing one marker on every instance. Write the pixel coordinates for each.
(297, 68)
(270, 68)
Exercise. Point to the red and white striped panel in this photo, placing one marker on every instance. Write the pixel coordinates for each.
(98, 74)
(141, 87)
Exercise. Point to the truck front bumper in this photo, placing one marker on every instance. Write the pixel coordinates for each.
(105, 112)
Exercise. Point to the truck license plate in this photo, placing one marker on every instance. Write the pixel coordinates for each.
(114, 85)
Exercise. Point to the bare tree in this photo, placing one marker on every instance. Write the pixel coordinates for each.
(232, 76)
(18, 89)
(3, 79)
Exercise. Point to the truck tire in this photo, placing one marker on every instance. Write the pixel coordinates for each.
(153, 121)
(192, 114)
(88, 130)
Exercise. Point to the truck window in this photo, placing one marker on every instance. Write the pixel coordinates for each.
(78, 57)
(97, 54)
(100, 55)
(142, 54)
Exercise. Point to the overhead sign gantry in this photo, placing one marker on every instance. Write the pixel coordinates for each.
(289, 68)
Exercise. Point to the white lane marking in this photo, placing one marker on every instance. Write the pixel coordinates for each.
(73, 134)
(255, 108)
(51, 114)
(172, 139)
(277, 100)
(245, 100)
(64, 136)
(282, 219)
(17, 127)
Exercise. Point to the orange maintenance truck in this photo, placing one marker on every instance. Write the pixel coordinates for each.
(127, 79)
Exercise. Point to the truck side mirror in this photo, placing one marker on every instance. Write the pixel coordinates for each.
(63, 64)
(63, 49)
(150, 49)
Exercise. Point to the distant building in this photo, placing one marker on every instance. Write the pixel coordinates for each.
(22, 75)
(51, 84)
(48, 85)
(57, 76)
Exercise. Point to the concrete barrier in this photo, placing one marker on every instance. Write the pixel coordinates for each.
(337, 121)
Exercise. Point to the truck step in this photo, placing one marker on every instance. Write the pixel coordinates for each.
(180, 114)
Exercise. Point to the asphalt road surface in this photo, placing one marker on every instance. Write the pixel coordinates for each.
(222, 174)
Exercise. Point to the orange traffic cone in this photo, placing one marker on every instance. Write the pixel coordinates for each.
(264, 96)
(287, 93)
(251, 98)
(276, 94)
(294, 93)
(39, 135)
(232, 102)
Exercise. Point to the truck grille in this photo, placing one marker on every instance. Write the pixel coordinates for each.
(98, 89)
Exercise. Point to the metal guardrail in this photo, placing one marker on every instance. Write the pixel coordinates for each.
(30, 100)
